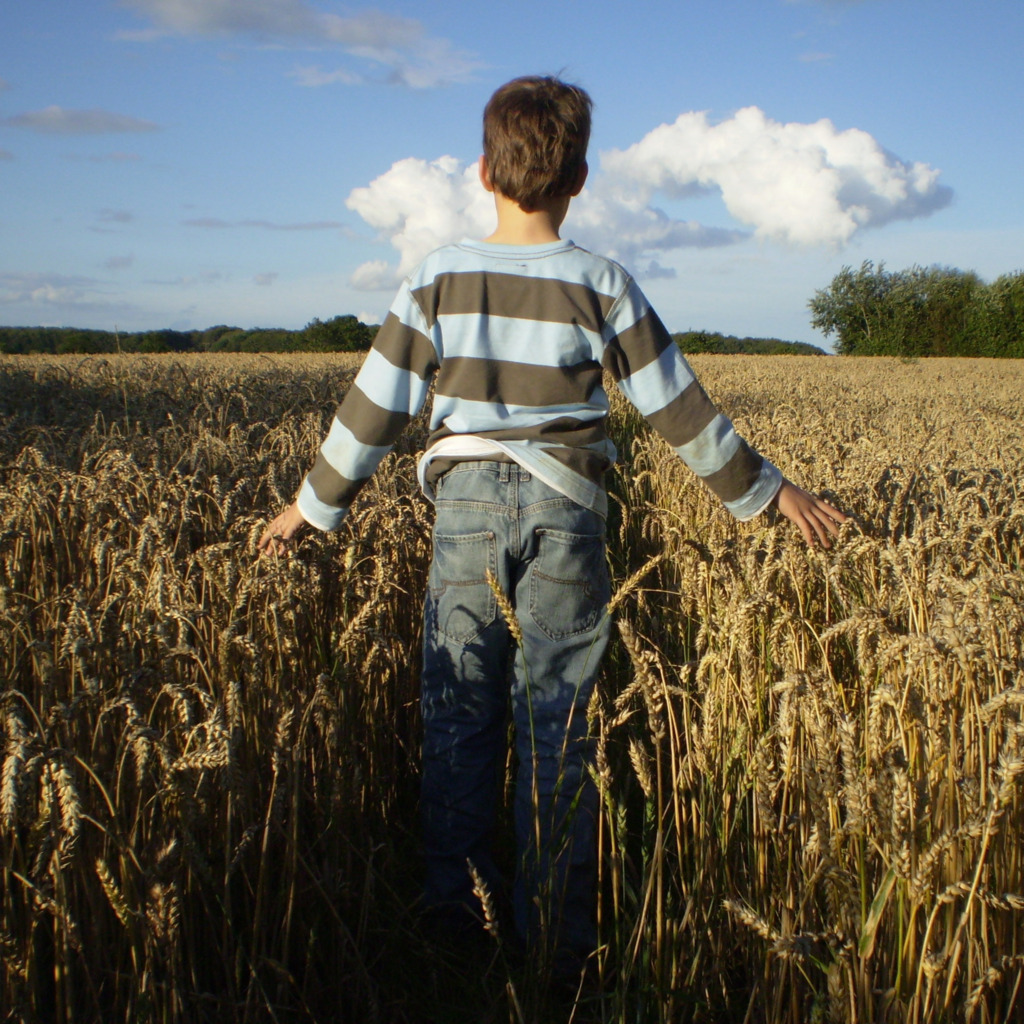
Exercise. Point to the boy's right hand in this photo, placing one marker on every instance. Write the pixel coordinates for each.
(815, 517)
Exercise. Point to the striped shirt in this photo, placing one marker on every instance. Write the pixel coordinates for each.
(516, 340)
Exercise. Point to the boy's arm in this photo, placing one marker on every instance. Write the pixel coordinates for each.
(654, 375)
(389, 390)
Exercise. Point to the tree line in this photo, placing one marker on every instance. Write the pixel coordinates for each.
(340, 334)
(696, 342)
(921, 311)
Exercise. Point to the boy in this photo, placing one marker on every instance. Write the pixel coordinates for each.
(517, 330)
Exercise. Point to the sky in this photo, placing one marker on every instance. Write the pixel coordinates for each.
(260, 163)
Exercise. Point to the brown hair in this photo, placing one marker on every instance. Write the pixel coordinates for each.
(536, 131)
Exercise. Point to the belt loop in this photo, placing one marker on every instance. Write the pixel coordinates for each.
(506, 468)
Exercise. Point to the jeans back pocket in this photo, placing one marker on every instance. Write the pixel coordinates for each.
(464, 603)
(569, 585)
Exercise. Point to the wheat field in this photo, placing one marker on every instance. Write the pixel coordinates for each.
(810, 763)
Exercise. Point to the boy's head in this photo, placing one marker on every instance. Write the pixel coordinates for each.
(536, 131)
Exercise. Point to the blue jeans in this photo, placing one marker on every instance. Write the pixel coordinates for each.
(548, 556)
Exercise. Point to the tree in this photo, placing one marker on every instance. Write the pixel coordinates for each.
(996, 325)
(944, 297)
(340, 334)
(209, 340)
(920, 311)
(696, 342)
(864, 309)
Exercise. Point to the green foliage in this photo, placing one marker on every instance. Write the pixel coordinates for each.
(921, 311)
(997, 318)
(341, 334)
(726, 344)
(157, 341)
(226, 339)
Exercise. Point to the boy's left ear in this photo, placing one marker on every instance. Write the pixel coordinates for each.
(485, 173)
(581, 179)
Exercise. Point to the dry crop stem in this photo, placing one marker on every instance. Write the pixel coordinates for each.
(810, 763)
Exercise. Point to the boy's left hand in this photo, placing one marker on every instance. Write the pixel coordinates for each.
(288, 525)
(815, 517)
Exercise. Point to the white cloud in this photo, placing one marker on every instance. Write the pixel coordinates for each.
(654, 271)
(43, 289)
(119, 262)
(418, 206)
(265, 280)
(374, 276)
(401, 45)
(110, 219)
(221, 17)
(61, 121)
(204, 277)
(801, 183)
(313, 76)
(117, 157)
(628, 228)
(808, 184)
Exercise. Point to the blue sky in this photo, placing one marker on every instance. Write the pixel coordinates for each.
(185, 163)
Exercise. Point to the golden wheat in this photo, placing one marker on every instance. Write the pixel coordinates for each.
(810, 763)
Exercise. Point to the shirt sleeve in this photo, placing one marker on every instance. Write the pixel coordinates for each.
(387, 393)
(653, 374)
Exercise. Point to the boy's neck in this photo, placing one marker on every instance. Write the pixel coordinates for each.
(517, 226)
